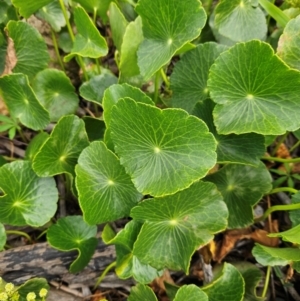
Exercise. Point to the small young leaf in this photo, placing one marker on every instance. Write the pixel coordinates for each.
(88, 41)
(247, 99)
(240, 21)
(31, 49)
(243, 149)
(142, 292)
(150, 152)
(33, 285)
(72, 233)
(12, 133)
(190, 293)
(190, 75)
(242, 187)
(167, 26)
(106, 192)
(291, 235)
(175, 225)
(56, 93)
(60, 152)
(27, 199)
(289, 43)
(22, 102)
(228, 285)
(275, 256)
(94, 88)
(28, 7)
(2, 237)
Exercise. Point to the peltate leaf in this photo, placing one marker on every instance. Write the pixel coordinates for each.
(60, 152)
(151, 152)
(240, 21)
(244, 149)
(2, 237)
(88, 41)
(56, 93)
(129, 69)
(275, 256)
(27, 199)
(289, 43)
(248, 99)
(242, 187)
(28, 7)
(142, 292)
(190, 293)
(30, 47)
(222, 287)
(72, 233)
(176, 225)
(106, 192)
(22, 102)
(116, 92)
(291, 235)
(167, 26)
(94, 88)
(190, 75)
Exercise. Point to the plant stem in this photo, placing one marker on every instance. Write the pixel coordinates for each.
(264, 293)
(283, 189)
(95, 15)
(294, 146)
(43, 233)
(165, 78)
(275, 12)
(279, 143)
(107, 269)
(294, 160)
(22, 135)
(98, 66)
(156, 86)
(277, 208)
(16, 232)
(57, 51)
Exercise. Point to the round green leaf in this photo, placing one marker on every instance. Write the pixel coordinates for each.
(142, 292)
(176, 225)
(118, 24)
(88, 41)
(35, 144)
(60, 152)
(27, 199)
(2, 237)
(190, 293)
(129, 69)
(72, 233)
(53, 15)
(291, 235)
(275, 256)
(289, 43)
(93, 89)
(116, 92)
(32, 285)
(56, 93)
(240, 20)
(28, 7)
(31, 49)
(106, 192)
(243, 149)
(248, 98)
(228, 285)
(22, 102)
(190, 75)
(242, 187)
(163, 151)
(167, 26)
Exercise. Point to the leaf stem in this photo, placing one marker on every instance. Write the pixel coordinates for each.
(268, 274)
(283, 189)
(281, 140)
(95, 15)
(277, 208)
(57, 51)
(98, 66)
(41, 234)
(294, 146)
(165, 78)
(156, 86)
(104, 273)
(16, 232)
(294, 160)
(275, 12)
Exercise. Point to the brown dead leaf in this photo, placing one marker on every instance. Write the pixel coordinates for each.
(289, 273)
(261, 236)
(283, 152)
(158, 284)
(11, 58)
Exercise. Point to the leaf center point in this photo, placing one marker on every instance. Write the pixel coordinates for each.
(230, 187)
(173, 222)
(170, 41)
(157, 150)
(110, 182)
(250, 96)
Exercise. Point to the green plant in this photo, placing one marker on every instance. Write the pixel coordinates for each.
(181, 157)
